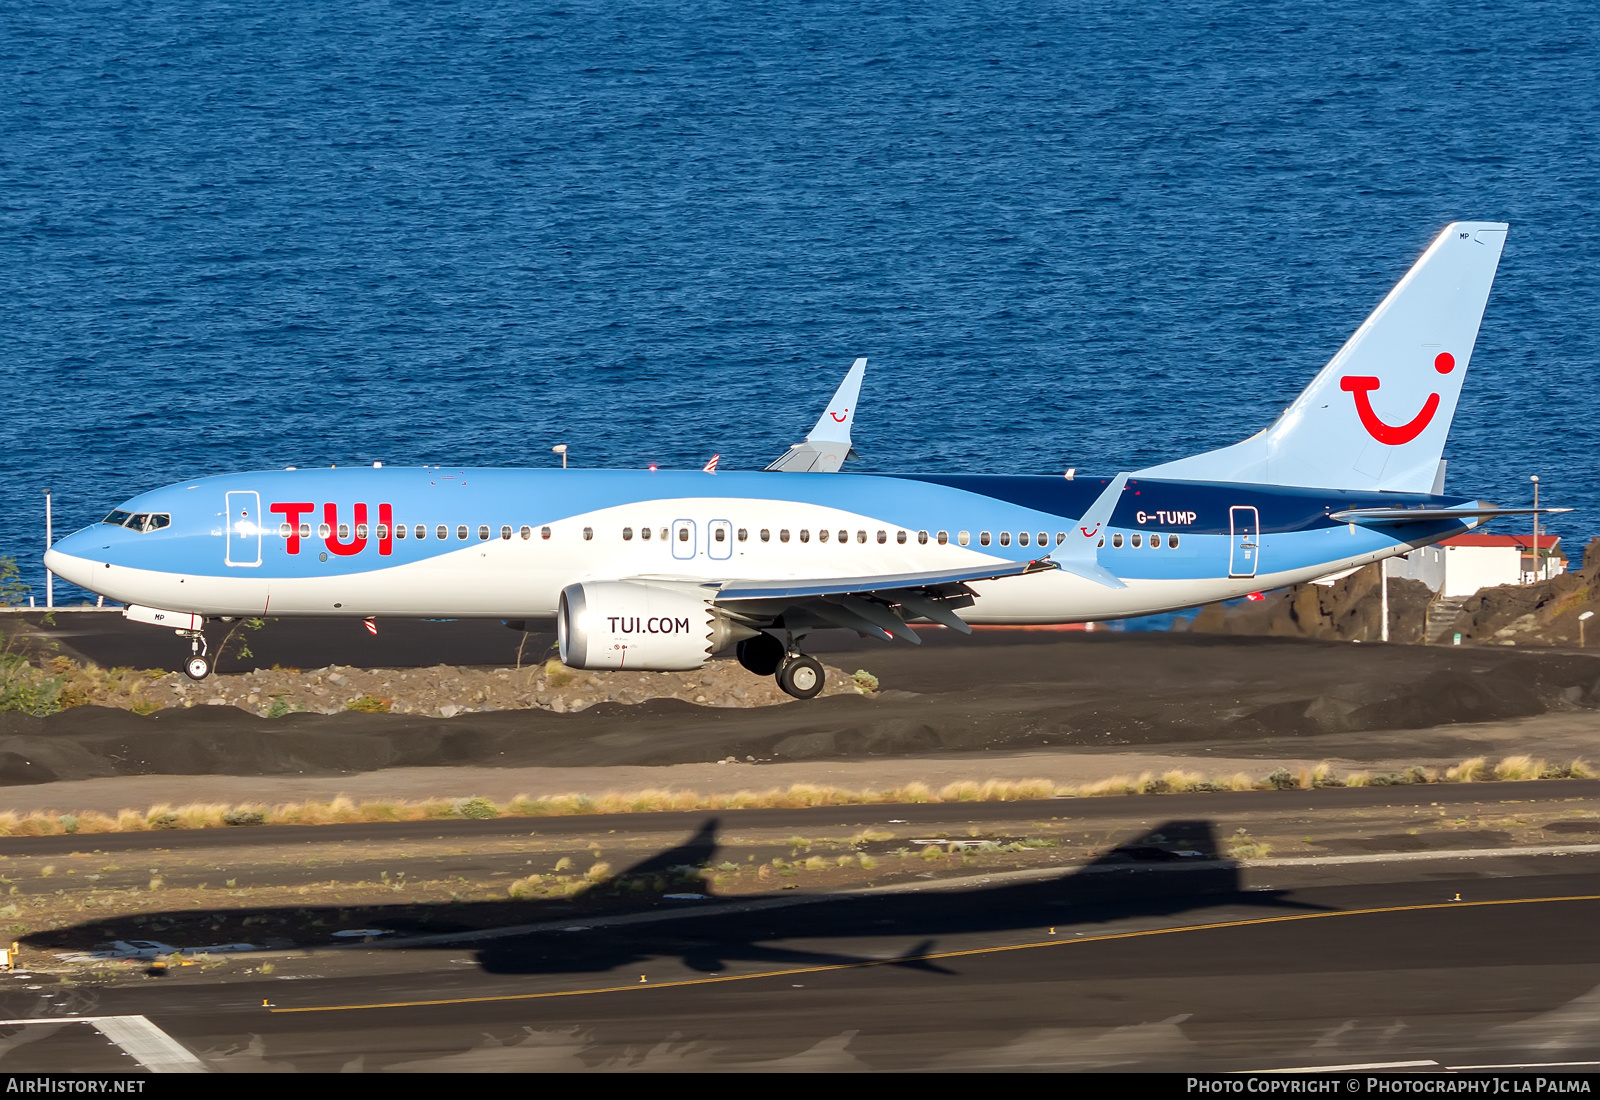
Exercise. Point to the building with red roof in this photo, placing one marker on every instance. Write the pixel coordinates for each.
(1461, 565)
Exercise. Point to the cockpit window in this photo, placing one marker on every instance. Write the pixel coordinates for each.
(139, 521)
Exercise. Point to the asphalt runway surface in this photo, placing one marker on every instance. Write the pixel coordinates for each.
(1138, 959)
(1471, 962)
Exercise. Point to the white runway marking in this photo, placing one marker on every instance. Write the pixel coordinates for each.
(145, 1043)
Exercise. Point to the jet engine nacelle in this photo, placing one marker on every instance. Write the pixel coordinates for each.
(623, 624)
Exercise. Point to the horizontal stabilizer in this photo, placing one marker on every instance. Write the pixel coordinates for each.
(1430, 515)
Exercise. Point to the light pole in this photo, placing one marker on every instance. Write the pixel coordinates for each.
(561, 449)
(1384, 567)
(1535, 480)
(49, 541)
(1582, 619)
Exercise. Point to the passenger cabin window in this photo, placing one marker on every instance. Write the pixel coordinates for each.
(766, 535)
(964, 537)
(944, 537)
(420, 531)
(844, 536)
(644, 533)
(383, 531)
(1005, 538)
(361, 530)
(1172, 541)
(344, 532)
(284, 530)
(505, 532)
(483, 532)
(663, 534)
(1044, 539)
(527, 533)
(922, 537)
(443, 532)
(1022, 538)
(544, 532)
(720, 534)
(305, 530)
(983, 538)
(588, 533)
(1061, 537)
(627, 534)
(1116, 540)
(461, 532)
(399, 530)
(883, 537)
(744, 535)
(783, 535)
(822, 536)
(900, 537)
(1136, 538)
(805, 534)
(683, 534)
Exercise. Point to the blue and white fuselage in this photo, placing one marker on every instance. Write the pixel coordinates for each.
(504, 543)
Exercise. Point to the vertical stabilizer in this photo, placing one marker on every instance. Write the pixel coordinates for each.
(1377, 415)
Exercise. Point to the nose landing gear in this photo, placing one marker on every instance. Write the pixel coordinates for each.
(198, 667)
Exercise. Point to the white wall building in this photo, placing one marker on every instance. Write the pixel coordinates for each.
(1460, 566)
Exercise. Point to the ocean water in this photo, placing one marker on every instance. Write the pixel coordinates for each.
(1096, 235)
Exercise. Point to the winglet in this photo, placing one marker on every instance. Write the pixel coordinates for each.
(1080, 554)
(828, 444)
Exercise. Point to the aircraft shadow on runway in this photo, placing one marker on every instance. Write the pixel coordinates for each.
(1174, 868)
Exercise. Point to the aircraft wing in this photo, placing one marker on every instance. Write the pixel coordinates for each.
(1429, 515)
(793, 589)
(877, 606)
(824, 450)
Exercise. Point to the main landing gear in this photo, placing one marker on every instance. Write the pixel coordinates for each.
(797, 674)
(198, 667)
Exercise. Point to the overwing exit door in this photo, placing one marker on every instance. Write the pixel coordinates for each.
(1244, 553)
(244, 528)
(719, 539)
(683, 545)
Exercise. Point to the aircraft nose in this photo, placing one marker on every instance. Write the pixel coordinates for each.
(75, 557)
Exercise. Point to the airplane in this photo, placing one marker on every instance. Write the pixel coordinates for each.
(660, 569)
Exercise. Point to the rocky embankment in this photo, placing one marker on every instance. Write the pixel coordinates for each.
(1350, 609)
(440, 691)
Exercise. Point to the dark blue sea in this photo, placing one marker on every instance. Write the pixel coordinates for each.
(1099, 235)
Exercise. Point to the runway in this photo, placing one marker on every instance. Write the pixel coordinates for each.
(1158, 968)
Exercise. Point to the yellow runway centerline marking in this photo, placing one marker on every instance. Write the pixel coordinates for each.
(938, 955)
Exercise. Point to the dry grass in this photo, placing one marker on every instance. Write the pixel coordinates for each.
(213, 815)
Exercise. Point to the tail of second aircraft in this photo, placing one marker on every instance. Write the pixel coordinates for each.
(1376, 417)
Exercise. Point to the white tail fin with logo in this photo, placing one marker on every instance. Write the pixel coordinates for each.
(1376, 417)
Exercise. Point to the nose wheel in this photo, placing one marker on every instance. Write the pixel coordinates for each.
(197, 667)
(801, 676)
